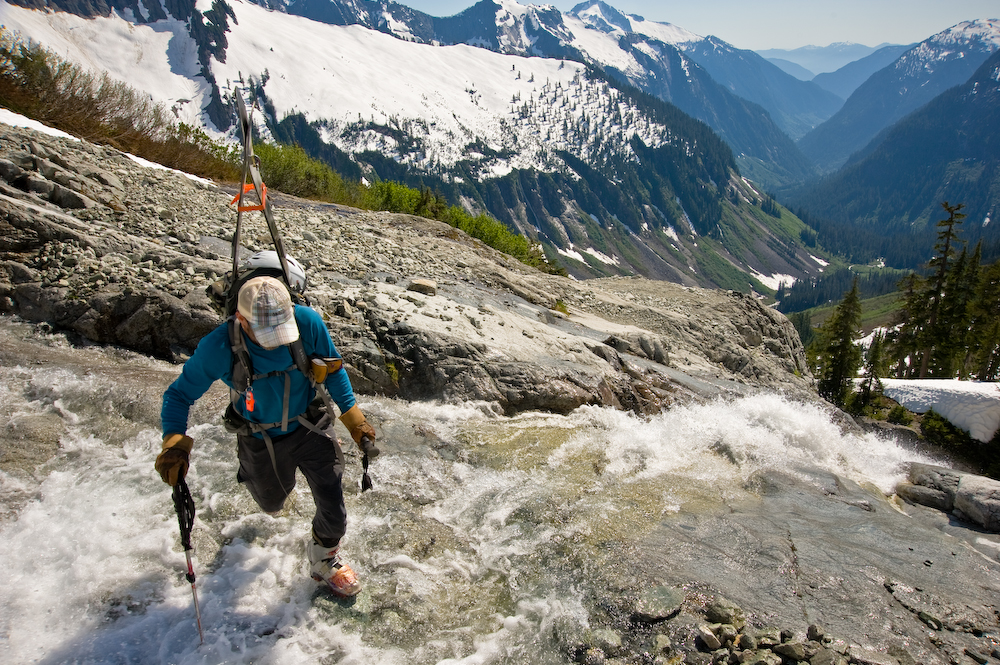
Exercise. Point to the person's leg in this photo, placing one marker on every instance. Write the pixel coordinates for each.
(321, 461)
(268, 486)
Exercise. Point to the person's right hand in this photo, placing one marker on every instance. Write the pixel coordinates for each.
(172, 463)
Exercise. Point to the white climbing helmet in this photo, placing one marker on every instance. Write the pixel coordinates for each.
(269, 259)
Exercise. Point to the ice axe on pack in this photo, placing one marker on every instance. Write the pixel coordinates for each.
(184, 505)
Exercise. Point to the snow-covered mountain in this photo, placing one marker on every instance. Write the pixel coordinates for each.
(616, 181)
(700, 75)
(938, 63)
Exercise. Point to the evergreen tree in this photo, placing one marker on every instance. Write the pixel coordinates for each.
(803, 325)
(960, 288)
(984, 326)
(875, 367)
(935, 333)
(839, 357)
(907, 324)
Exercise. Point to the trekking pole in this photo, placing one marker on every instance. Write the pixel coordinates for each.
(185, 518)
(369, 450)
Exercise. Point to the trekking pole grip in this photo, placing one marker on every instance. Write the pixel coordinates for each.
(368, 447)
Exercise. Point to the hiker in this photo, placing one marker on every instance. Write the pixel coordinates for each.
(279, 427)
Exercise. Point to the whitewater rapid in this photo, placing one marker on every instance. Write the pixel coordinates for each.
(483, 541)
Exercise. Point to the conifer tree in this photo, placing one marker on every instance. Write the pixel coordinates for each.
(907, 324)
(840, 357)
(944, 249)
(960, 288)
(871, 382)
(984, 326)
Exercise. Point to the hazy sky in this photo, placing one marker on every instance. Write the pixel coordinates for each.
(785, 23)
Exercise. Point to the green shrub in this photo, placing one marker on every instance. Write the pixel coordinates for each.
(938, 430)
(38, 84)
(287, 168)
(854, 404)
(898, 415)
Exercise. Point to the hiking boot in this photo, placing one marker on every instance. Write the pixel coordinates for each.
(326, 566)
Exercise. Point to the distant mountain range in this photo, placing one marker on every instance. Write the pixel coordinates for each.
(915, 78)
(821, 59)
(844, 81)
(948, 150)
(608, 178)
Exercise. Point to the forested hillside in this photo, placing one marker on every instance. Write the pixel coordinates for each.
(884, 204)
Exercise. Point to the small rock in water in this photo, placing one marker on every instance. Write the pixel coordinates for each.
(828, 657)
(661, 643)
(593, 656)
(708, 638)
(792, 650)
(606, 640)
(721, 610)
(658, 604)
(815, 632)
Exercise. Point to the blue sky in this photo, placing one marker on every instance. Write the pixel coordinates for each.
(786, 23)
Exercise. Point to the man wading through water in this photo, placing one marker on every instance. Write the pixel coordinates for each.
(278, 431)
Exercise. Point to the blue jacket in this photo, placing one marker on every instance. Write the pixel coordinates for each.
(213, 360)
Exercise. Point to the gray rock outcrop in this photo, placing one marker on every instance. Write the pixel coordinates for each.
(92, 242)
(972, 497)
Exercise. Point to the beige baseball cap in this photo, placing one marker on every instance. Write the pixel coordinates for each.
(265, 304)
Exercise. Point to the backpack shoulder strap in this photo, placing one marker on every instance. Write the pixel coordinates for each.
(242, 364)
(301, 358)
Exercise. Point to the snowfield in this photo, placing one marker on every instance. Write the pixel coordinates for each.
(969, 405)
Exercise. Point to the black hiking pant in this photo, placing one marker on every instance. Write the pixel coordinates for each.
(321, 461)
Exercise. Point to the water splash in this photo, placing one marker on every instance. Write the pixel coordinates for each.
(484, 540)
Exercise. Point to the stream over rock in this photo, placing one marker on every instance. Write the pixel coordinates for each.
(649, 478)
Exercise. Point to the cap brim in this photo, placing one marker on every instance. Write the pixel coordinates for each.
(272, 337)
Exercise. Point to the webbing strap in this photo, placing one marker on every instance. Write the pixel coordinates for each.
(274, 460)
(301, 419)
(249, 187)
(262, 428)
(284, 409)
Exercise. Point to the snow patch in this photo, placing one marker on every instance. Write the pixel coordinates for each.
(571, 253)
(602, 257)
(8, 117)
(969, 405)
(773, 281)
(17, 120)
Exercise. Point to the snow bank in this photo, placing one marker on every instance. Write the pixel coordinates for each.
(969, 405)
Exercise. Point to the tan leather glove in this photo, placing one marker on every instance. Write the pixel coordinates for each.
(172, 463)
(356, 424)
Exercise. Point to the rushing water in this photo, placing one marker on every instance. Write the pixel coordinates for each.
(486, 538)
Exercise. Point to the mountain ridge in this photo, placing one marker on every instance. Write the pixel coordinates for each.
(944, 151)
(940, 62)
(451, 116)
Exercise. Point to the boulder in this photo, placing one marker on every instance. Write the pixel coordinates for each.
(979, 499)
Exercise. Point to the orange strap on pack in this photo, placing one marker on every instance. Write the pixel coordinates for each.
(246, 188)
